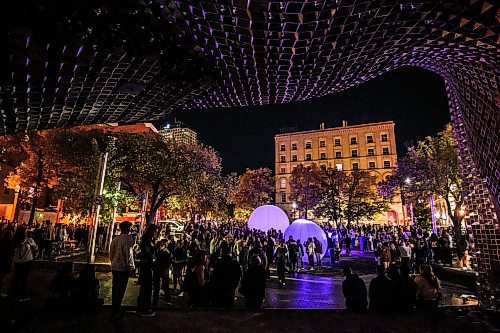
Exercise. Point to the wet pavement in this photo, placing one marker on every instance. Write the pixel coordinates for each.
(319, 289)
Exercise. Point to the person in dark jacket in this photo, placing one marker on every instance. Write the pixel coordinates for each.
(253, 284)
(161, 272)
(380, 292)
(147, 261)
(225, 278)
(354, 290)
(405, 297)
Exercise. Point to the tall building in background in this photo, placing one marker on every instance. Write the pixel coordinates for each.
(179, 133)
(367, 147)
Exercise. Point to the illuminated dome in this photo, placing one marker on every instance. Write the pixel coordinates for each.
(268, 217)
(303, 229)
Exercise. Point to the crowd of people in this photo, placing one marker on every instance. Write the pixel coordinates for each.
(208, 262)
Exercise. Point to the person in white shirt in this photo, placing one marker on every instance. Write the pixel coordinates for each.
(24, 247)
(405, 253)
(122, 264)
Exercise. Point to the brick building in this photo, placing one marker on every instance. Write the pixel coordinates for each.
(368, 147)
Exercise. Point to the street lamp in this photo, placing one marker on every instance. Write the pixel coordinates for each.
(294, 206)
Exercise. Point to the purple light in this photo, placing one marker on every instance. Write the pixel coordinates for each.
(268, 217)
(303, 229)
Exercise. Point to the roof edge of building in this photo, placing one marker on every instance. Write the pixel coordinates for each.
(390, 122)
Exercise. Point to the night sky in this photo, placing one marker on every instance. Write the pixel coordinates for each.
(415, 99)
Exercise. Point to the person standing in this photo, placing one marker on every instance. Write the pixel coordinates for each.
(146, 264)
(253, 284)
(161, 272)
(348, 241)
(24, 247)
(179, 258)
(122, 265)
(318, 251)
(225, 279)
(48, 237)
(281, 255)
(310, 253)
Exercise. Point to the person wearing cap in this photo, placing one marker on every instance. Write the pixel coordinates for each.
(122, 264)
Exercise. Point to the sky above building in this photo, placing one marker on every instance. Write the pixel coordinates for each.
(244, 136)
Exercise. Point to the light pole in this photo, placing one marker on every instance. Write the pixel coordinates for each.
(294, 206)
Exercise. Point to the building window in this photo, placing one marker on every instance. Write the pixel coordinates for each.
(283, 170)
(294, 158)
(308, 145)
(294, 146)
(322, 143)
(283, 197)
(338, 166)
(384, 138)
(355, 166)
(338, 154)
(371, 165)
(387, 164)
(293, 168)
(283, 183)
(354, 153)
(308, 157)
(369, 139)
(354, 140)
(282, 159)
(385, 151)
(322, 156)
(371, 152)
(282, 148)
(337, 142)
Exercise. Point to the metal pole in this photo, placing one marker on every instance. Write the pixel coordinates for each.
(433, 210)
(112, 227)
(143, 214)
(411, 214)
(103, 161)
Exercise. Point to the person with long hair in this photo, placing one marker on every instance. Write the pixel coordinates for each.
(24, 248)
(147, 259)
(428, 288)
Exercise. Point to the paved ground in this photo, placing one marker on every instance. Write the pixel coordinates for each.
(450, 320)
(320, 289)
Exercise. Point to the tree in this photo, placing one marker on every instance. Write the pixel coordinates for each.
(305, 187)
(34, 168)
(254, 188)
(360, 198)
(431, 168)
(162, 168)
(329, 205)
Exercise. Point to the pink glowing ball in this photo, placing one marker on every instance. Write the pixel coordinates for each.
(303, 229)
(268, 217)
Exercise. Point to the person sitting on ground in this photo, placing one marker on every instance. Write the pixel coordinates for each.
(86, 293)
(354, 290)
(62, 287)
(380, 291)
(428, 288)
(253, 284)
(406, 290)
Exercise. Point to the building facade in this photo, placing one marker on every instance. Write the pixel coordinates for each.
(179, 134)
(367, 147)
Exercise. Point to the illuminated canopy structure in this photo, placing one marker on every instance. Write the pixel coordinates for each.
(268, 217)
(303, 229)
(84, 62)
